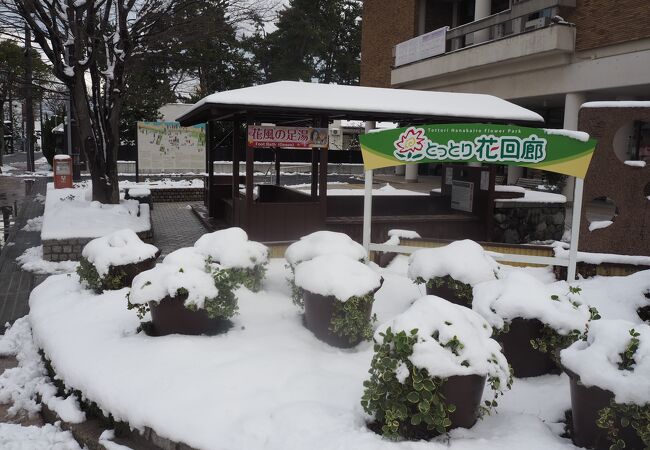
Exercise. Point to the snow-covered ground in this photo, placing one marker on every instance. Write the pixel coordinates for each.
(387, 189)
(69, 213)
(268, 383)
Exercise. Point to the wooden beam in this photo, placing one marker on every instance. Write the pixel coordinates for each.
(236, 146)
(322, 179)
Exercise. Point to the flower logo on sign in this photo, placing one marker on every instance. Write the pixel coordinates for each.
(411, 145)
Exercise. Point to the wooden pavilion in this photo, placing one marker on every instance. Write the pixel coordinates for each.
(276, 213)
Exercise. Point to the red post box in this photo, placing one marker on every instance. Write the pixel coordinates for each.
(62, 171)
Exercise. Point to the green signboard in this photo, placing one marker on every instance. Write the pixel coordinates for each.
(561, 151)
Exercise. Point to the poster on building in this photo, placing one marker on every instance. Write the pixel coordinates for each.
(462, 195)
(561, 151)
(287, 137)
(421, 47)
(165, 147)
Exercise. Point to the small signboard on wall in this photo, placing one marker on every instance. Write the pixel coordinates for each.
(462, 195)
(168, 147)
(421, 47)
(287, 137)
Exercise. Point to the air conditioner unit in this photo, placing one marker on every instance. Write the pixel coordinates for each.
(335, 131)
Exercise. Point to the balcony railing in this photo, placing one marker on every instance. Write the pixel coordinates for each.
(524, 16)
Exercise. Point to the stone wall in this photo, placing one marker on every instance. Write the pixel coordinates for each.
(70, 249)
(177, 195)
(521, 223)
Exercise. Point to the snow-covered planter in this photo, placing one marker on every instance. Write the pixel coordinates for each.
(452, 271)
(112, 261)
(244, 260)
(532, 320)
(317, 244)
(338, 296)
(142, 195)
(188, 298)
(429, 371)
(610, 386)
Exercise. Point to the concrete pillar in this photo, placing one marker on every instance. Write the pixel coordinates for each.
(572, 103)
(482, 8)
(411, 175)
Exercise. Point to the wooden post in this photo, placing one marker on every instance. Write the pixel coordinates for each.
(322, 180)
(249, 172)
(236, 146)
(314, 172)
(277, 167)
(208, 168)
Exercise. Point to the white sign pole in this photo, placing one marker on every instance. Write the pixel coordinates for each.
(367, 211)
(575, 229)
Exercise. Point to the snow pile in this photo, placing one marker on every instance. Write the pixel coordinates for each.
(337, 275)
(118, 248)
(520, 295)
(139, 192)
(596, 360)
(577, 135)
(167, 279)
(21, 385)
(635, 163)
(47, 437)
(232, 249)
(32, 261)
(464, 261)
(34, 224)
(617, 297)
(68, 214)
(434, 316)
(166, 183)
(599, 258)
(533, 197)
(106, 439)
(323, 243)
(396, 235)
(599, 224)
(187, 257)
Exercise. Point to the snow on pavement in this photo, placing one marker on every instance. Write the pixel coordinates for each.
(47, 437)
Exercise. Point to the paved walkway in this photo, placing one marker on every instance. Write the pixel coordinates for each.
(175, 226)
(15, 284)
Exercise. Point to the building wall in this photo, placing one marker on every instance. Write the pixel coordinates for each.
(386, 23)
(605, 22)
(608, 177)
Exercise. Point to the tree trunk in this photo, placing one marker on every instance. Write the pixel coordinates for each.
(105, 187)
(2, 134)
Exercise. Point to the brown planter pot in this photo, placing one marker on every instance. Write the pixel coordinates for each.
(170, 316)
(448, 294)
(319, 310)
(463, 391)
(525, 360)
(586, 402)
(130, 271)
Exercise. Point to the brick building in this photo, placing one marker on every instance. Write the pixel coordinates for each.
(550, 56)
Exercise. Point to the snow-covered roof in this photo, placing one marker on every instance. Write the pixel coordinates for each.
(58, 128)
(293, 99)
(617, 104)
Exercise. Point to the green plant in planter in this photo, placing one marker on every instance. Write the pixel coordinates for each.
(616, 415)
(87, 272)
(461, 290)
(251, 278)
(406, 401)
(350, 320)
(552, 342)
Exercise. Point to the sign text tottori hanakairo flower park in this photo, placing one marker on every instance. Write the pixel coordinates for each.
(552, 150)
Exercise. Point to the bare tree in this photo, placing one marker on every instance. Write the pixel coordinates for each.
(89, 44)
